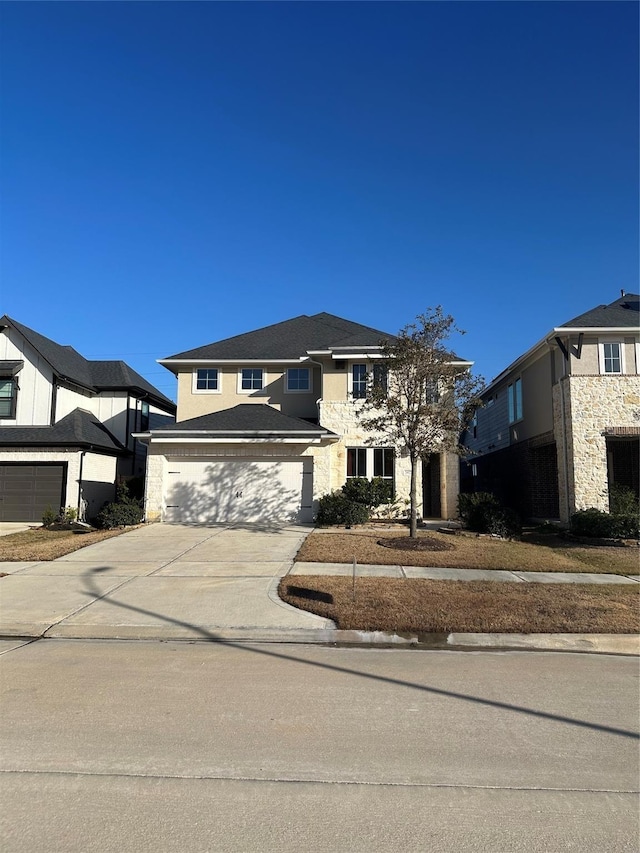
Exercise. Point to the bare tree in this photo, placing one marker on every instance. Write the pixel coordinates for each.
(426, 397)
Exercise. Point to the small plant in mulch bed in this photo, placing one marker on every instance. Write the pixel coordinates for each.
(422, 543)
(64, 520)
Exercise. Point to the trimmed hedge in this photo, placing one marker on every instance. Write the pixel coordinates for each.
(123, 512)
(336, 508)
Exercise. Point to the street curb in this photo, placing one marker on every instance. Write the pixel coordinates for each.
(616, 644)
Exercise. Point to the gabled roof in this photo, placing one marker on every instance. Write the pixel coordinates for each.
(95, 376)
(289, 340)
(79, 428)
(246, 419)
(619, 314)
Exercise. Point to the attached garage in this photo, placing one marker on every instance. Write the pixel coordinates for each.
(246, 464)
(27, 490)
(211, 489)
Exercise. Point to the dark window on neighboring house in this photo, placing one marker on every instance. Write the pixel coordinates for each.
(144, 417)
(8, 397)
(515, 401)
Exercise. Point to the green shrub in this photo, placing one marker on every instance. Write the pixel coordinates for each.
(48, 516)
(622, 501)
(594, 522)
(469, 503)
(119, 515)
(482, 513)
(123, 512)
(504, 522)
(336, 508)
(371, 493)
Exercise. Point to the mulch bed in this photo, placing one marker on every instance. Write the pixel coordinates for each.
(423, 543)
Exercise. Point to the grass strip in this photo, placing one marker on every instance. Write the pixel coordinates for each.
(533, 554)
(427, 606)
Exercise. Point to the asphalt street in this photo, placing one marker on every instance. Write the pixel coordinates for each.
(196, 746)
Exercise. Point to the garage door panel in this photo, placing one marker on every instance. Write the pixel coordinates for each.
(27, 490)
(228, 490)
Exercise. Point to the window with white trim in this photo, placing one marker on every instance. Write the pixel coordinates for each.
(611, 357)
(298, 379)
(514, 393)
(251, 379)
(371, 462)
(207, 379)
(358, 381)
(8, 397)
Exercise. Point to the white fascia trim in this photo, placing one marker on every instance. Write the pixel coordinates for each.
(350, 356)
(596, 330)
(222, 440)
(169, 361)
(318, 352)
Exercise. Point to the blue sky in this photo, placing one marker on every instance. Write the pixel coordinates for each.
(175, 173)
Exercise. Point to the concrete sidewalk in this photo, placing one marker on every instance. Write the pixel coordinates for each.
(169, 582)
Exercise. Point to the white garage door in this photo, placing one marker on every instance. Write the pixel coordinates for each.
(249, 489)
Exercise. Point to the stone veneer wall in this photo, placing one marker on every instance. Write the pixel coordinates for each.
(342, 418)
(593, 405)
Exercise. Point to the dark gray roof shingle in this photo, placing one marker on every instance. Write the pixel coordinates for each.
(621, 313)
(247, 418)
(290, 339)
(93, 375)
(78, 429)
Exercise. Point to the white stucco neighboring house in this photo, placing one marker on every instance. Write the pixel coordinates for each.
(267, 423)
(67, 424)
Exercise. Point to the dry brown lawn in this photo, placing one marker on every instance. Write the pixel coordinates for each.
(39, 544)
(426, 606)
(535, 553)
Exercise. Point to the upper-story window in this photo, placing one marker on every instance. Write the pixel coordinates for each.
(144, 416)
(359, 381)
(298, 379)
(8, 397)
(611, 357)
(251, 378)
(381, 377)
(207, 379)
(514, 392)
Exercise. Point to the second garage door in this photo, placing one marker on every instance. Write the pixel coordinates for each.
(230, 490)
(27, 490)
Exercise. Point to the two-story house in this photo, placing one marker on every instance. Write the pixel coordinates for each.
(561, 425)
(66, 425)
(267, 423)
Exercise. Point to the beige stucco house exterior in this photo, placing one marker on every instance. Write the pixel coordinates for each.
(561, 425)
(267, 423)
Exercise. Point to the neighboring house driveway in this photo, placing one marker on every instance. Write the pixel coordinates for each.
(162, 582)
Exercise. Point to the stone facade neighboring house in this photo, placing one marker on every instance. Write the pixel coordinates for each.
(66, 425)
(561, 425)
(267, 423)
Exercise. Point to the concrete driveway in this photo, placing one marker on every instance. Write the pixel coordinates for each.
(164, 581)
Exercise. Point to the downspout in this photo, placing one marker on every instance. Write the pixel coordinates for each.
(563, 431)
(83, 453)
(54, 401)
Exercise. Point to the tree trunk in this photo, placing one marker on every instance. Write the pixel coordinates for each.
(413, 530)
